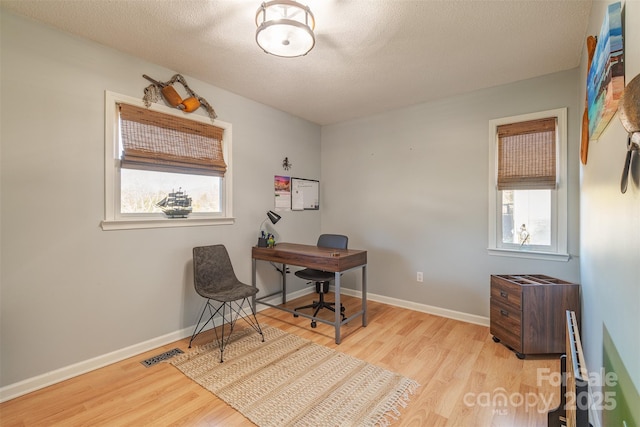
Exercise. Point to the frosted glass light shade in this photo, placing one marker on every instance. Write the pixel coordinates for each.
(285, 28)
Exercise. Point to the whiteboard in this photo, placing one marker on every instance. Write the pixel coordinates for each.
(305, 194)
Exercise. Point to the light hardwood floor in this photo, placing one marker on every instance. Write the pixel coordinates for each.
(462, 372)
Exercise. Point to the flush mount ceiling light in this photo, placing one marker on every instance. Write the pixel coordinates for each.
(285, 28)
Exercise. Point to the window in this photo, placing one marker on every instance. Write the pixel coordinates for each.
(528, 185)
(150, 153)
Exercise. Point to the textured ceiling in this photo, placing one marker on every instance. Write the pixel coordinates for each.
(370, 55)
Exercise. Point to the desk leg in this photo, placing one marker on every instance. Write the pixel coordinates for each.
(253, 282)
(284, 283)
(364, 295)
(338, 319)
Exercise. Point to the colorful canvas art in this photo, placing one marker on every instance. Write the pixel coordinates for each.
(605, 82)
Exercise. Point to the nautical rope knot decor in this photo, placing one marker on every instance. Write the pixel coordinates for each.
(157, 89)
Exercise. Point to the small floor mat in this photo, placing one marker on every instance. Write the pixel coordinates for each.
(160, 357)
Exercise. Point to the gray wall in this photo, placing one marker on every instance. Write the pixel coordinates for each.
(70, 291)
(610, 225)
(411, 186)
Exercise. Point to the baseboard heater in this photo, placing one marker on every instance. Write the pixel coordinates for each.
(573, 410)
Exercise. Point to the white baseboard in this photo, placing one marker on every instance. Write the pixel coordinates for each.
(424, 308)
(12, 391)
(29, 385)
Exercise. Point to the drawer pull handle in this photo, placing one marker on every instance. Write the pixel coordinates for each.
(503, 294)
(504, 313)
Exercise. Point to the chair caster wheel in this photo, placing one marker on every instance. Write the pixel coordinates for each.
(313, 324)
(295, 315)
(341, 309)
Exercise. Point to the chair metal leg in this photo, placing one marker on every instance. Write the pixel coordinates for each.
(197, 331)
(239, 312)
(227, 310)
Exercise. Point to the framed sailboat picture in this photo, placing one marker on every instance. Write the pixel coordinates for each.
(605, 82)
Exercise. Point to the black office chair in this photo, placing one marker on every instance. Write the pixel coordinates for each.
(322, 279)
(215, 280)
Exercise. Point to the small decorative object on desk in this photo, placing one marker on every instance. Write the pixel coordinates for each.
(266, 240)
(176, 204)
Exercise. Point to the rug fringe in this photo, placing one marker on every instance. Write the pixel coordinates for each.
(391, 413)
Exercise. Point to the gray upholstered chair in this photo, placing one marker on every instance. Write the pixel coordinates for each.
(215, 280)
(322, 279)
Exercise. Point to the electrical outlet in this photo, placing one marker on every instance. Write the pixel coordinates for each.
(419, 277)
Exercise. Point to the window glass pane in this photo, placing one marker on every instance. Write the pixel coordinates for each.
(140, 190)
(526, 217)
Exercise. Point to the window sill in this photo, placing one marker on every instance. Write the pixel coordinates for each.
(133, 224)
(546, 256)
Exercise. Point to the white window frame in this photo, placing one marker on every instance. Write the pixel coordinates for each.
(113, 220)
(559, 200)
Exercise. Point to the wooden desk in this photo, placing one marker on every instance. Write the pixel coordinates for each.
(327, 259)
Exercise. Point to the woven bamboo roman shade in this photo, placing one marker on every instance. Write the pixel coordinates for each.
(527, 155)
(161, 142)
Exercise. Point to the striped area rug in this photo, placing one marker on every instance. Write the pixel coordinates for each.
(291, 381)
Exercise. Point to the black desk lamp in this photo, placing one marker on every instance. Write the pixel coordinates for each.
(273, 217)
